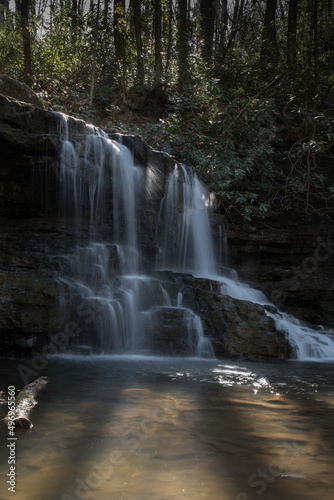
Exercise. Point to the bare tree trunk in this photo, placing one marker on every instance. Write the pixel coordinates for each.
(136, 16)
(157, 45)
(80, 6)
(94, 53)
(235, 14)
(119, 8)
(281, 8)
(269, 49)
(119, 39)
(223, 29)
(25, 6)
(207, 26)
(315, 42)
(106, 11)
(170, 34)
(182, 43)
(237, 25)
(74, 6)
(292, 34)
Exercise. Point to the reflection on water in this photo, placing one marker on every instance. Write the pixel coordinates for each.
(160, 429)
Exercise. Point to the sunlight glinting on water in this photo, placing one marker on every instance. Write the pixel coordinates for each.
(137, 428)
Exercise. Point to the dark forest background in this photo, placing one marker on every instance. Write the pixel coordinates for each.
(224, 85)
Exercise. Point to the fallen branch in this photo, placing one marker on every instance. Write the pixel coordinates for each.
(25, 401)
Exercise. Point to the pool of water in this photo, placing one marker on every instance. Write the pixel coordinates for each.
(136, 428)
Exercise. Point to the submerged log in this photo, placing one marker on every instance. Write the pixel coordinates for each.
(25, 401)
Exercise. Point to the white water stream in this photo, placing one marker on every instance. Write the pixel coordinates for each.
(308, 343)
(124, 300)
(108, 290)
(197, 256)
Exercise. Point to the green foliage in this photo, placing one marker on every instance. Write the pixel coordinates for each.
(10, 47)
(310, 178)
(227, 138)
(233, 161)
(220, 118)
(55, 56)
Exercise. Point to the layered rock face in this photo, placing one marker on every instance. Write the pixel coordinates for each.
(291, 259)
(235, 327)
(35, 230)
(37, 235)
(29, 233)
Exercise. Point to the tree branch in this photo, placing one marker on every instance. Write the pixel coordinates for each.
(259, 94)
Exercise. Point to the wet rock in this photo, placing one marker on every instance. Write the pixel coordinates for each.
(28, 309)
(290, 258)
(143, 154)
(36, 235)
(170, 332)
(236, 328)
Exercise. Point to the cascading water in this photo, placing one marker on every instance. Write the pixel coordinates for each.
(308, 343)
(188, 245)
(115, 304)
(190, 232)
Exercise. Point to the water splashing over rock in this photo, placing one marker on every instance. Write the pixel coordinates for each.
(122, 307)
(112, 299)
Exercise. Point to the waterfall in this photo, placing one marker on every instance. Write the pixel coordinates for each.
(117, 305)
(190, 234)
(114, 303)
(188, 245)
(308, 343)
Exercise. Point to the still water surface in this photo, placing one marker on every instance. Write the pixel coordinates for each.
(136, 428)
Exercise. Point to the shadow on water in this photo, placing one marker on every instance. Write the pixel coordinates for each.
(161, 429)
